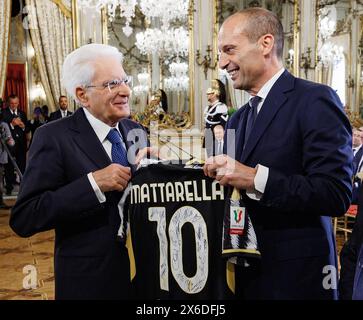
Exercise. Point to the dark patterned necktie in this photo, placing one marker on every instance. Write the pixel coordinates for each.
(251, 117)
(118, 152)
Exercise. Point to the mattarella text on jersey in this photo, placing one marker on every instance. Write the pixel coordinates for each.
(195, 190)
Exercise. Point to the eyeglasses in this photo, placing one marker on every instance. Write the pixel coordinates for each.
(113, 84)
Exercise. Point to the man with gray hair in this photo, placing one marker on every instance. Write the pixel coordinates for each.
(77, 171)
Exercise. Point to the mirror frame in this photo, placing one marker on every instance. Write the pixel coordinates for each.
(352, 74)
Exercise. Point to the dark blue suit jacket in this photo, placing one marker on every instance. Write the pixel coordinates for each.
(358, 278)
(303, 136)
(55, 193)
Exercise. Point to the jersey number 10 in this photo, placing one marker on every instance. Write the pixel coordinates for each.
(190, 285)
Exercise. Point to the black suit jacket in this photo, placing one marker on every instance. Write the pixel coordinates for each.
(55, 193)
(58, 115)
(303, 136)
(17, 133)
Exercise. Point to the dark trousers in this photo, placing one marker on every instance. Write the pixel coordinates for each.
(2, 170)
(10, 178)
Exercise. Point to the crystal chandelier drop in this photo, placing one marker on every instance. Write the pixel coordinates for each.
(127, 10)
(165, 10)
(179, 80)
(144, 80)
(327, 22)
(166, 42)
(331, 54)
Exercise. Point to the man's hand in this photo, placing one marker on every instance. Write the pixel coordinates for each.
(112, 178)
(146, 151)
(230, 172)
(18, 122)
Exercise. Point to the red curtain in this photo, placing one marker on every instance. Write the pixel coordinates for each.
(15, 84)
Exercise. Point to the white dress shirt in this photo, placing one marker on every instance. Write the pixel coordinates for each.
(261, 177)
(101, 129)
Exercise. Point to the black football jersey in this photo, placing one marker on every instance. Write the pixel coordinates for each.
(175, 225)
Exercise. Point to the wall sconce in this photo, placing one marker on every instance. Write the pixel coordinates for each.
(207, 61)
(305, 61)
(360, 50)
(290, 59)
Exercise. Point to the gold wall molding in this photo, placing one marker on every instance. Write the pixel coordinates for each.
(5, 17)
(75, 27)
(63, 8)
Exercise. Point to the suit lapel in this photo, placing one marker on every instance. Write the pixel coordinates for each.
(87, 140)
(272, 104)
(240, 133)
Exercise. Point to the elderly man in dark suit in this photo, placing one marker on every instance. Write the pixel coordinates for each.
(293, 163)
(78, 168)
(62, 112)
(17, 121)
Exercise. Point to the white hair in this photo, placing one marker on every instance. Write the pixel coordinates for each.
(78, 67)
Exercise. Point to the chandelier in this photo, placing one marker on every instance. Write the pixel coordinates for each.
(167, 42)
(144, 80)
(331, 54)
(327, 22)
(179, 80)
(127, 10)
(165, 10)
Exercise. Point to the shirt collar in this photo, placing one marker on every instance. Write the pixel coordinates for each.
(100, 128)
(264, 91)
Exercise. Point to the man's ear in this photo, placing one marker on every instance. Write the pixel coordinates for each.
(267, 42)
(81, 94)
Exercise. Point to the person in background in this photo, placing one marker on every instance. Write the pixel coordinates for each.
(351, 258)
(17, 121)
(6, 143)
(37, 121)
(216, 113)
(159, 104)
(218, 132)
(357, 162)
(45, 113)
(62, 112)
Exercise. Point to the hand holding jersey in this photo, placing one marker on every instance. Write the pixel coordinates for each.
(112, 178)
(230, 172)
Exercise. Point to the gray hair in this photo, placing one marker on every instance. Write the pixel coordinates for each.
(78, 67)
